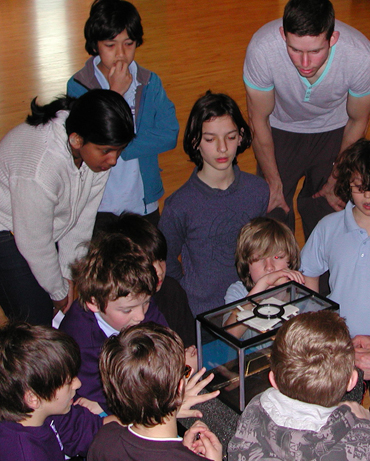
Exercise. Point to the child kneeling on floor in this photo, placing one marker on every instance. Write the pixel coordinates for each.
(144, 374)
(300, 417)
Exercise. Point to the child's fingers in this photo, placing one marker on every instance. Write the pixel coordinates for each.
(196, 377)
(205, 397)
(191, 351)
(213, 447)
(200, 426)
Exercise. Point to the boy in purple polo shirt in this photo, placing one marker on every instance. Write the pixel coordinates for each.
(115, 282)
(38, 380)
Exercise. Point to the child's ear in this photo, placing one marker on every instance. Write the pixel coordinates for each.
(272, 380)
(353, 381)
(32, 400)
(181, 387)
(92, 306)
(241, 134)
(75, 141)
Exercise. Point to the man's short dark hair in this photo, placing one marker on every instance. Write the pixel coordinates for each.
(309, 17)
(109, 18)
(39, 359)
(313, 358)
(141, 369)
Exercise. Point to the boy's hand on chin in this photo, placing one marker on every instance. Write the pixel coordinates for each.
(191, 397)
(119, 77)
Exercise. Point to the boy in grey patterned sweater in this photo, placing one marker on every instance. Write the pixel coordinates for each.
(299, 418)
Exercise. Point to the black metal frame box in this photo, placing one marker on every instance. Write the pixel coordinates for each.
(260, 315)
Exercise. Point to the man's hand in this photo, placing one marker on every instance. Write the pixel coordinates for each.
(191, 397)
(119, 77)
(277, 199)
(362, 354)
(327, 191)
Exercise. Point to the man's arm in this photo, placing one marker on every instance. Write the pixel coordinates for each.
(260, 105)
(358, 110)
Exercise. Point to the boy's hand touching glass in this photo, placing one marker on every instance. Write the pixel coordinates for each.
(191, 397)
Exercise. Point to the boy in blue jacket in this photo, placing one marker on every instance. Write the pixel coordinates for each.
(113, 32)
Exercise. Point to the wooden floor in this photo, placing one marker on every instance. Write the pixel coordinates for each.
(194, 46)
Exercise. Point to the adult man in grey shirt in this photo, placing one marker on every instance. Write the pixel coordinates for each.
(308, 94)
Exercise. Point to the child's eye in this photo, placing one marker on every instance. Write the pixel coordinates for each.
(209, 139)
(278, 257)
(129, 43)
(232, 138)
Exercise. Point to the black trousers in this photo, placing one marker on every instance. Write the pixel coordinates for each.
(308, 155)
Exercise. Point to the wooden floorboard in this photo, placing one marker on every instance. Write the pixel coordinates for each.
(193, 46)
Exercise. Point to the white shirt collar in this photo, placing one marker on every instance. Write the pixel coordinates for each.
(177, 439)
(292, 413)
(103, 325)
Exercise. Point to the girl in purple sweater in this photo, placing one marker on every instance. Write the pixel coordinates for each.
(202, 219)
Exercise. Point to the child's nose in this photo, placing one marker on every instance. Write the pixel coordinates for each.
(121, 50)
(112, 159)
(222, 146)
(269, 264)
(140, 314)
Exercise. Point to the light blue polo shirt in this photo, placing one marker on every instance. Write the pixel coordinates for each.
(339, 245)
(124, 190)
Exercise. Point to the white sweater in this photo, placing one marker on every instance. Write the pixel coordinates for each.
(45, 198)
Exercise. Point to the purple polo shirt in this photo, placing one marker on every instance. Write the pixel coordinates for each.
(83, 327)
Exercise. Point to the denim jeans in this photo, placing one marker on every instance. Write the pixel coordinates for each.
(21, 296)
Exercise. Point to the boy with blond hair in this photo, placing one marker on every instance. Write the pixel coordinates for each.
(300, 418)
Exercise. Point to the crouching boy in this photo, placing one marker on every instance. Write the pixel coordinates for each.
(299, 418)
(38, 380)
(144, 373)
